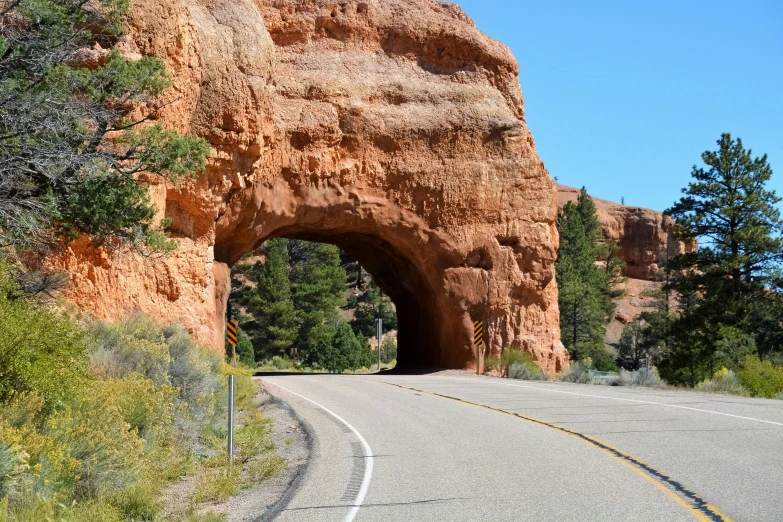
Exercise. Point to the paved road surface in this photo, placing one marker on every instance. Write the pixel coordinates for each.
(461, 448)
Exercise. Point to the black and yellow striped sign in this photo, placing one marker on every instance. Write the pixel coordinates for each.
(478, 332)
(231, 332)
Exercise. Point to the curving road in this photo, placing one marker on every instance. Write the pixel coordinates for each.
(464, 448)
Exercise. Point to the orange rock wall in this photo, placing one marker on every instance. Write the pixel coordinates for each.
(644, 236)
(392, 128)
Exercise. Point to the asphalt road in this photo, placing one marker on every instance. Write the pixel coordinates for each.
(462, 448)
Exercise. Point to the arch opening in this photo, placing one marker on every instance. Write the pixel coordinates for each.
(418, 342)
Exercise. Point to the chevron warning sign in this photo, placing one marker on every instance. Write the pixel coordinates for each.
(231, 332)
(478, 332)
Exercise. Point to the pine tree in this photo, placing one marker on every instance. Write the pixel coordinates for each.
(317, 277)
(274, 326)
(370, 305)
(632, 350)
(730, 280)
(585, 206)
(71, 151)
(580, 285)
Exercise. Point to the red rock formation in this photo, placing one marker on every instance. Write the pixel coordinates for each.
(644, 235)
(392, 128)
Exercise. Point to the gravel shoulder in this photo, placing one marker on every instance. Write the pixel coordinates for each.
(292, 444)
(260, 502)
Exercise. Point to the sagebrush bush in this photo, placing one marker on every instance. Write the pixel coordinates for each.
(526, 373)
(578, 371)
(96, 418)
(520, 364)
(647, 377)
(723, 381)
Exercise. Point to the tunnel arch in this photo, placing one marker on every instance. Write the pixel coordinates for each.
(402, 254)
(397, 129)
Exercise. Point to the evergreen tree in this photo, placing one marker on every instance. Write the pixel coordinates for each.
(585, 206)
(318, 282)
(370, 305)
(388, 349)
(273, 328)
(730, 281)
(581, 285)
(632, 350)
(71, 153)
(317, 277)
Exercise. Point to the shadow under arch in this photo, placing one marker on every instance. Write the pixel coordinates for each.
(418, 343)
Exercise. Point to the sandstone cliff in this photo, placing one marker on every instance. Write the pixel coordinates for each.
(392, 128)
(644, 235)
(645, 240)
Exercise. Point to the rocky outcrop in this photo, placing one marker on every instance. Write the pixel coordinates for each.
(392, 128)
(644, 236)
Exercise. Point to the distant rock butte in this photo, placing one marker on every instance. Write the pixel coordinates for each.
(392, 128)
(644, 235)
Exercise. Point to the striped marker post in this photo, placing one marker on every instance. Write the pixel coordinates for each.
(478, 341)
(231, 338)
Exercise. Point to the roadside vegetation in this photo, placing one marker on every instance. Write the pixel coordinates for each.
(97, 419)
(717, 320)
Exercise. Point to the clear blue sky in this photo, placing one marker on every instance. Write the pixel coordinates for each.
(624, 96)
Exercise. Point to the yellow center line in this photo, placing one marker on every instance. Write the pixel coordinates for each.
(695, 505)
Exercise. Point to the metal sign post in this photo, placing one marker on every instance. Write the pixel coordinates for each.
(230, 419)
(231, 339)
(478, 341)
(379, 322)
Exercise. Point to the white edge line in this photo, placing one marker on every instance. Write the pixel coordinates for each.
(367, 453)
(615, 399)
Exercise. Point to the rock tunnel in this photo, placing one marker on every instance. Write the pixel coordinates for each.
(394, 129)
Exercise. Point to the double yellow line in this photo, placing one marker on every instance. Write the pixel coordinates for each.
(694, 504)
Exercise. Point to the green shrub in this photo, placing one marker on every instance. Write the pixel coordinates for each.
(135, 346)
(109, 452)
(578, 371)
(41, 350)
(389, 349)
(281, 363)
(761, 378)
(724, 381)
(520, 364)
(145, 407)
(647, 377)
(603, 361)
(254, 437)
(265, 467)
(526, 372)
(491, 362)
(13, 466)
(217, 484)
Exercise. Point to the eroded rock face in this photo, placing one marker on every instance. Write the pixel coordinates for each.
(644, 235)
(392, 128)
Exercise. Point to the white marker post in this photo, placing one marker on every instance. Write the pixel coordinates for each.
(379, 322)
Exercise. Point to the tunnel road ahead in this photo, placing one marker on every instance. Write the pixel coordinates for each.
(461, 448)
